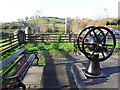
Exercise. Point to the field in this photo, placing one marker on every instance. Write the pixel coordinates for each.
(54, 49)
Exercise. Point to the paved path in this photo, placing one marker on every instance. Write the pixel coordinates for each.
(57, 73)
(33, 77)
(111, 68)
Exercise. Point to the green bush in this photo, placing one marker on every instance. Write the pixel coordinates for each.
(5, 33)
(116, 27)
(58, 39)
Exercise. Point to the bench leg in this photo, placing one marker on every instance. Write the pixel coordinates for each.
(21, 84)
(75, 48)
(36, 57)
(37, 60)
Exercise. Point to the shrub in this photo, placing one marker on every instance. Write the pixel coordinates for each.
(5, 27)
(116, 27)
(5, 33)
(59, 36)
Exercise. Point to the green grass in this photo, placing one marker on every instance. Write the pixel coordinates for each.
(50, 47)
(45, 51)
(117, 45)
(49, 50)
(8, 54)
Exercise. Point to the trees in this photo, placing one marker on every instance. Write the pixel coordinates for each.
(53, 22)
(108, 23)
(118, 21)
(113, 23)
(39, 25)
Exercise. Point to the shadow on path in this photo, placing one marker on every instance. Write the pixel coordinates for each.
(57, 72)
(70, 60)
(49, 79)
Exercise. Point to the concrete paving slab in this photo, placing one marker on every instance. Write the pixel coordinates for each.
(33, 77)
(56, 74)
(111, 67)
(56, 82)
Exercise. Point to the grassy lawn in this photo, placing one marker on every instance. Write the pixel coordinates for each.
(50, 50)
(50, 47)
(56, 50)
(45, 50)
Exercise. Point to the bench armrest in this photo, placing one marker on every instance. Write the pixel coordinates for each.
(36, 55)
(11, 77)
(32, 52)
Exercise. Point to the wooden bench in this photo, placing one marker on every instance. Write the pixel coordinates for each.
(18, 63)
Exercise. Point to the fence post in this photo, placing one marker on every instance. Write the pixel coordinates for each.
(10, 40)
(28, 32)
(70, 37)
(18, 39)
(42, 37)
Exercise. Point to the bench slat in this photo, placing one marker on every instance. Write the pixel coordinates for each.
(8, 60)
(22, 64)
(12, 66)
(30, 63)
(23, 69)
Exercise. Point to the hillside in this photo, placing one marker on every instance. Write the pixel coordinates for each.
(57, 25)
(48, 24)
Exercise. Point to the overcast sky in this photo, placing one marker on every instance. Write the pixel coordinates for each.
(12, 10)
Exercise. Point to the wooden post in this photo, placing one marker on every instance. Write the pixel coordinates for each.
(67, 25)
(70, 36)
(28, 32)
(10, 40)
(42, 37)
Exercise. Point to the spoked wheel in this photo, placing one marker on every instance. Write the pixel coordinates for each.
(81, 36)
(96, 41)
